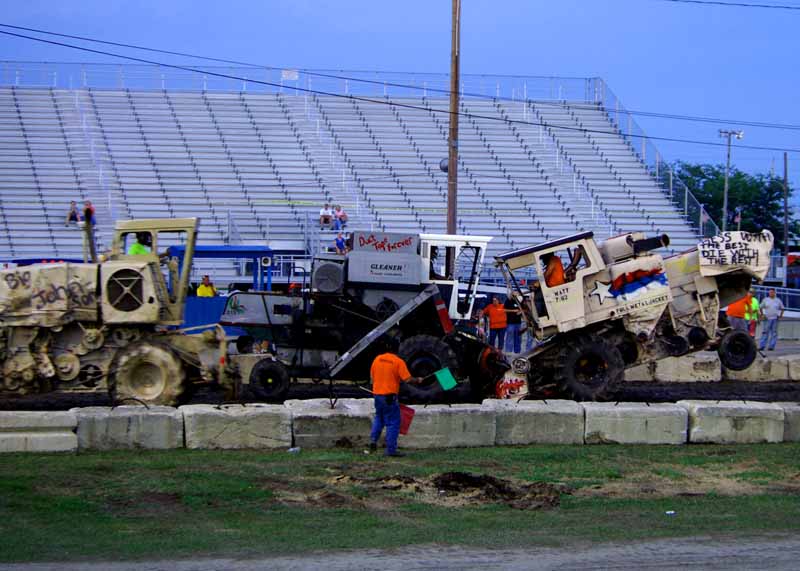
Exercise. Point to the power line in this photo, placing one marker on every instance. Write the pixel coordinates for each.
(393, 103)
(678, 117)
(735, 4)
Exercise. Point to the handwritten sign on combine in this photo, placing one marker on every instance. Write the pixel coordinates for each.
(728, 251)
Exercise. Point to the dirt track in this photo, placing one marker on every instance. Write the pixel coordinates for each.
(629, 392)
(774, 552)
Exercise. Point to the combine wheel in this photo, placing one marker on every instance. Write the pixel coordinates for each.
(737, 350)
(269, 380)
(149, 373)
(588, 367)
(424, 355)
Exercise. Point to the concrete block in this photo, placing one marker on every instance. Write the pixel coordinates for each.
(237, 426)
(128, 427)
(635, 423)
(536, 421)
(27, 431)
(316, 425)
(700, 366)
(760, 371)
(791, 421)
(734, 422)
(443, 426)
(792, 366)
(645, 372)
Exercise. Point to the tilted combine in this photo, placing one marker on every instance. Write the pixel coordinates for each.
(622, 305)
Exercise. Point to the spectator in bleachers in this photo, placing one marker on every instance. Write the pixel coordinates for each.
(73, 215)
(141, 245)
(339, 218)
(206, 288)
(340, 244)
(325, 216)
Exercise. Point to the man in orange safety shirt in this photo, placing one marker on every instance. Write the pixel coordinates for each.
(387, 372)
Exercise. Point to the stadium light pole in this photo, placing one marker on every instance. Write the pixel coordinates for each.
(452, 140)
(728, 134)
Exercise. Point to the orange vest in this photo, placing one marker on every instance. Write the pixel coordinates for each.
(739, 307)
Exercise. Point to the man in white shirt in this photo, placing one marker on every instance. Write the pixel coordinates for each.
(325, 216)
(772, 310)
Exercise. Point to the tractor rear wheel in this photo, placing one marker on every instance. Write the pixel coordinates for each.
(269, 380)
(737, 350)
(588, 367)
(149, 373)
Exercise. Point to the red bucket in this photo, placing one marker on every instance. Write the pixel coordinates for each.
(406, 416)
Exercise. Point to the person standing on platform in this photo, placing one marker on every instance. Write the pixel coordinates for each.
(497, 323)
(771, 310)
(387, 372)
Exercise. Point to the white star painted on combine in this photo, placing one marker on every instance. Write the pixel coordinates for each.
(602, 292)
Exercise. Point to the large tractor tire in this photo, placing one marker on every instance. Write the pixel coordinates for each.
(737, 350)
(424, 355)
(148, 373)
(588, 367)
(269, 380)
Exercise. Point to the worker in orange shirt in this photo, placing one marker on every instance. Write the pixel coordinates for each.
(554, 271)
(737, 312)
(387, 372)
(497, 322)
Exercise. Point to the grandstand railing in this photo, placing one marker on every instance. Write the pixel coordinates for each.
(662, 172)
(270, 80)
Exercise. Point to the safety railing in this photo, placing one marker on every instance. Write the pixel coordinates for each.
(648, 154)
(286, 80)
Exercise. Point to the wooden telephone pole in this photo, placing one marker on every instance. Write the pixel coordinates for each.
(452, 140)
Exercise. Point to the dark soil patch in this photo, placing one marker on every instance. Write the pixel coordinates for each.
(153, 504)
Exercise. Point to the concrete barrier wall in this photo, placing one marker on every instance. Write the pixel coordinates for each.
(26, 431)
(734, 422)
(443, 426)
(314, 424)
(537, 422)
(705, 366)
(635, 423)
(237, 426)
(128, 427)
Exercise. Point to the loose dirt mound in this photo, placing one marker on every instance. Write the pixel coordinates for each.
(456, 489)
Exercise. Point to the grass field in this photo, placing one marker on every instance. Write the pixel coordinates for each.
(127, 505)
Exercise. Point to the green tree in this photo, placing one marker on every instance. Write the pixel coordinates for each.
(760, 198)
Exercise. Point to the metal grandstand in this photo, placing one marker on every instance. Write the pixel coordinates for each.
(255, 152)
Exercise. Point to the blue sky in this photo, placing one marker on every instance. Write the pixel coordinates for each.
(727, 62)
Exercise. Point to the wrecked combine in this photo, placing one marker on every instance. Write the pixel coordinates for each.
(397, 285)
(622, 305)
(92, 327)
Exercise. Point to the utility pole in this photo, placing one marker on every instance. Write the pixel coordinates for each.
(728, 134)
(785, 215)
(452, 140)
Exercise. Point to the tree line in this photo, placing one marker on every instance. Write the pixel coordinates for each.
(757, 198)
